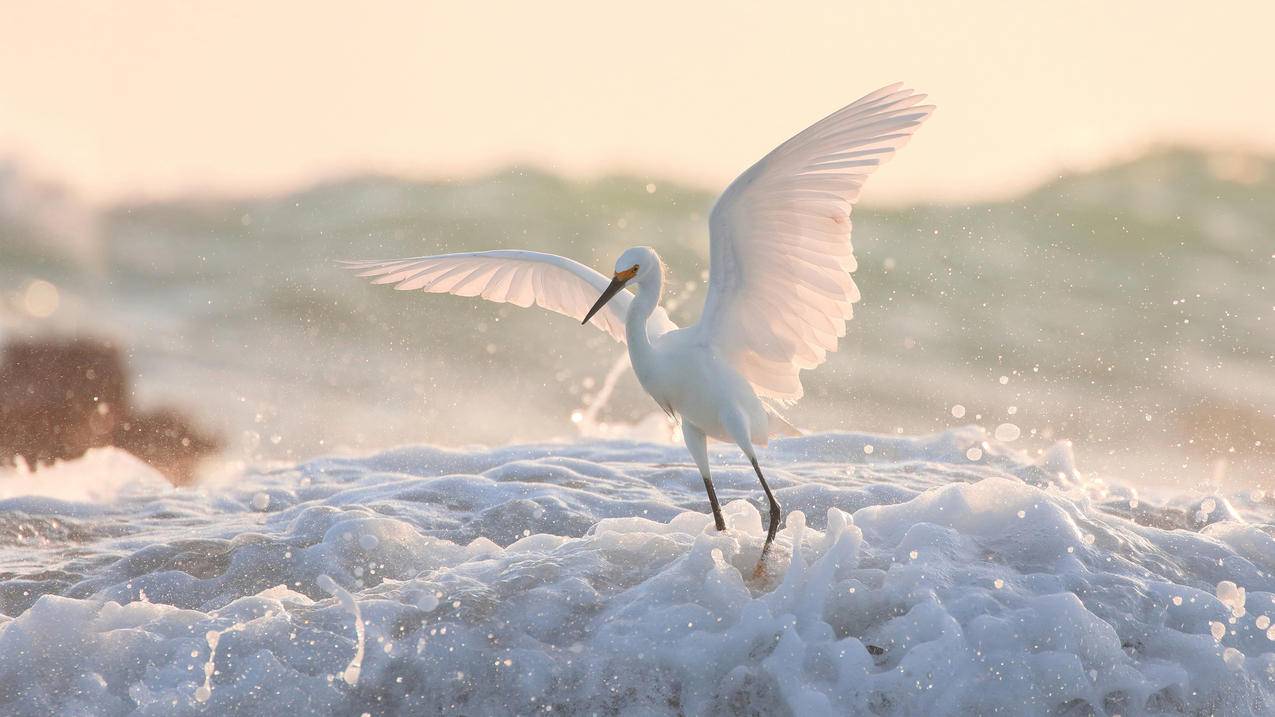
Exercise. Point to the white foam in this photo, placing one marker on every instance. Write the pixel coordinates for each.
(586, 578)
(100, 475)
(351, 672)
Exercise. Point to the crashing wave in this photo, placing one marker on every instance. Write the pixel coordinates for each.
(586, 578)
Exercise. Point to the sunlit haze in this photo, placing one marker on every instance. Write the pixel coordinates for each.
(155, 98)
(406, 358)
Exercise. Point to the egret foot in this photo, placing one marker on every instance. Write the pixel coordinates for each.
(761, 570)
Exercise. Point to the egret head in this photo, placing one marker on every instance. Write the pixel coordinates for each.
(633, 265)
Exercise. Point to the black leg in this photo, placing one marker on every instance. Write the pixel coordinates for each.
(717, 508)
(775, 510)
(697, 444)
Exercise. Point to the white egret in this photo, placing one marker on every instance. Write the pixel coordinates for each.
(779, 290)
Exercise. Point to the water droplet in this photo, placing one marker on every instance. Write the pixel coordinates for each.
(40, 299)
(1007, 432)
(1233, 658)
(428, 602)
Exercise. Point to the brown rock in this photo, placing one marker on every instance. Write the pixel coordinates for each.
(165, 439)
(60, 397)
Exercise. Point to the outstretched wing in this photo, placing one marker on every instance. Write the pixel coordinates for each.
(780, 290)
(517, 277)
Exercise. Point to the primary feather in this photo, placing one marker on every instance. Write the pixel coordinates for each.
(780, 290)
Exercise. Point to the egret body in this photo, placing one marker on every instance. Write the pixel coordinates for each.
(779, 291)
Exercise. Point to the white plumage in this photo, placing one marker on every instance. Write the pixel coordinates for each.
(517, 277)
(779, 292)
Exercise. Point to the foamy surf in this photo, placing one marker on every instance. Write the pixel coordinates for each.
(586, 578)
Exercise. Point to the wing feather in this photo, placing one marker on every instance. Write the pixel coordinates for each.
(517, 277)
(780, 289)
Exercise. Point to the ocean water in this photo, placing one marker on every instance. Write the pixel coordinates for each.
(944, 574)
(1128, 309)
(1037, 482)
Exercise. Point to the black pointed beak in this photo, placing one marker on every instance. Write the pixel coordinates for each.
(612, 289)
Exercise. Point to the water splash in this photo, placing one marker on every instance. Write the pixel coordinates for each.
(352, 670)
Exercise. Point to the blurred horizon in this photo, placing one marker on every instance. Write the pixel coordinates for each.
(153, 101)
(1227, 162)
(1228, 157)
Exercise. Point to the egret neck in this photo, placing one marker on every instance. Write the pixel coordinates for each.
(650, 288)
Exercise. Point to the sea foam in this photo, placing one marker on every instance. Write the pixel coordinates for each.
(587, 578)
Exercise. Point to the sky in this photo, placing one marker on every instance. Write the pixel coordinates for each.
(150, 98)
